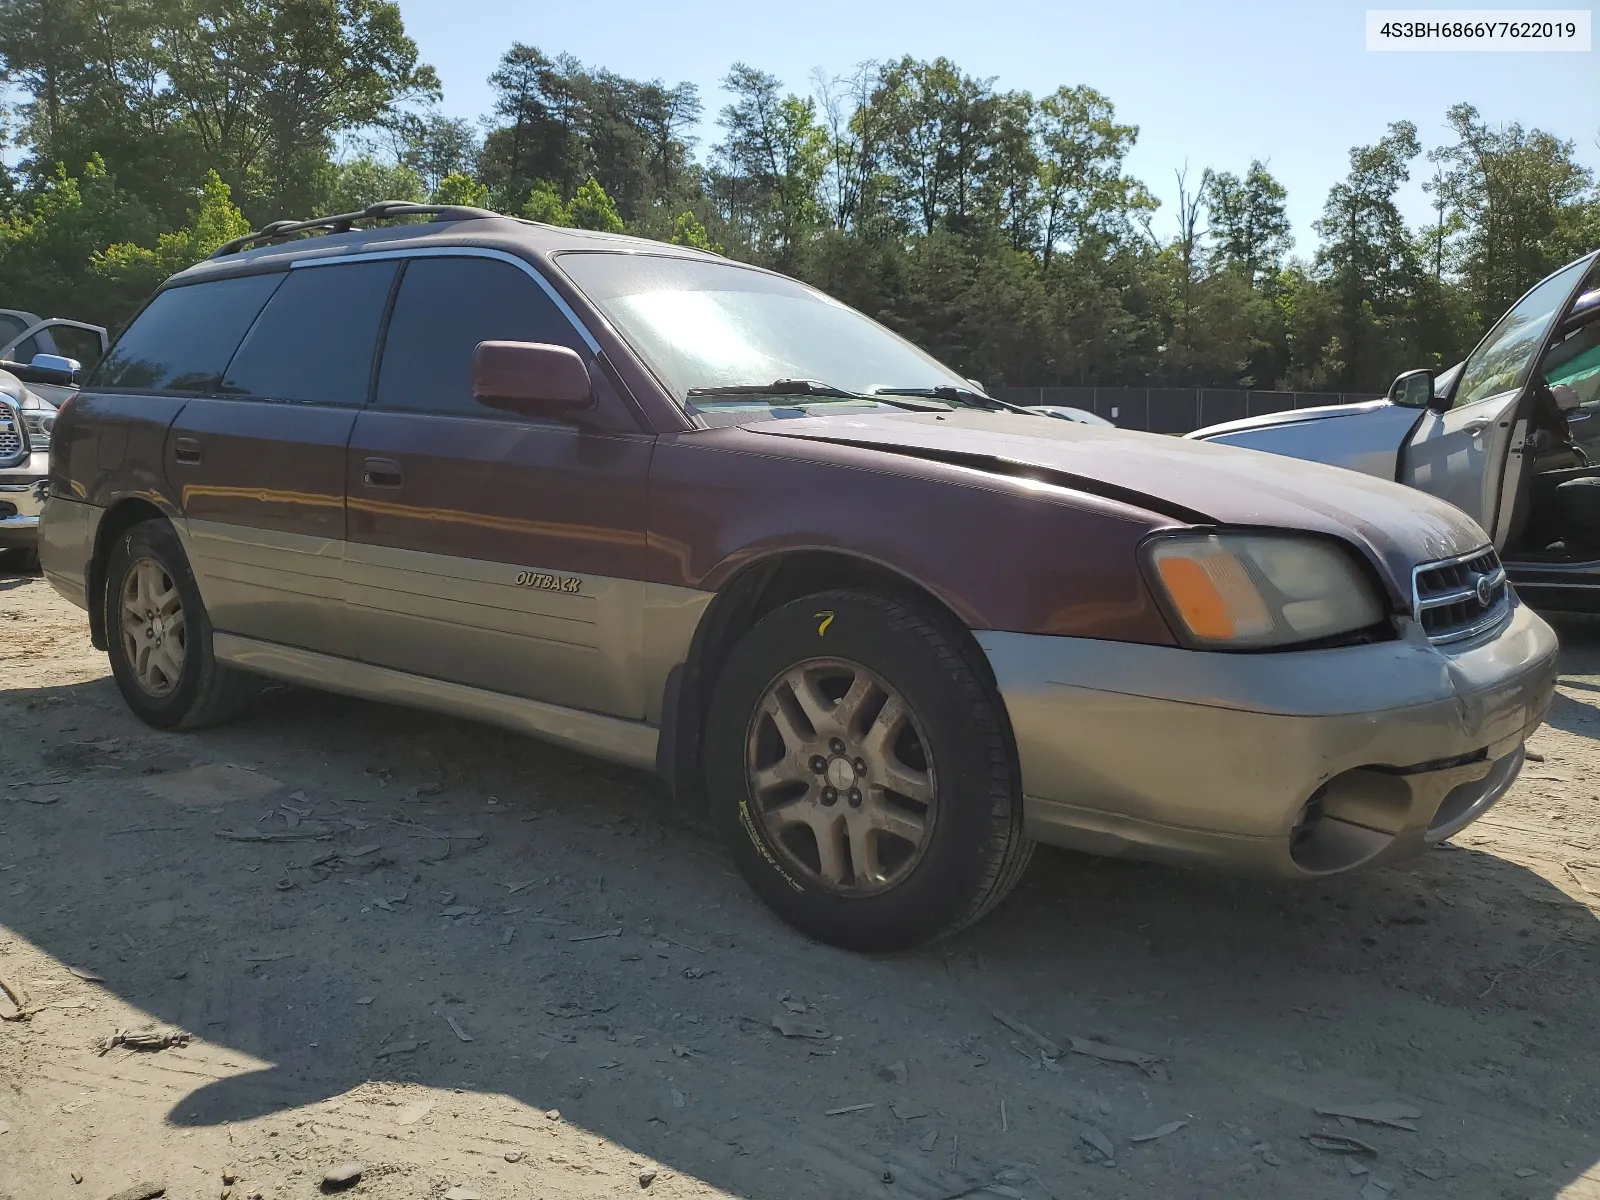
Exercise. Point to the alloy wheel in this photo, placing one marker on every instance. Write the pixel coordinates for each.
(840, 776)
(154, 637)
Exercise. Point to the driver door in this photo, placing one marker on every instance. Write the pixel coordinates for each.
(1461, 455)
(1471, 453)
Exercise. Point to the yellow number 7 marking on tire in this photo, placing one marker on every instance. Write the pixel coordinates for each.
(824, 619)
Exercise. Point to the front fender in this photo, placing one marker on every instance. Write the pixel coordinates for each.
(999, 552)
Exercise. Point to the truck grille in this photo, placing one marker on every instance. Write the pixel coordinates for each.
(1461, 597)
(12, 446)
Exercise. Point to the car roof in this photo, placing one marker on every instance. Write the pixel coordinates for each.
(514, 235)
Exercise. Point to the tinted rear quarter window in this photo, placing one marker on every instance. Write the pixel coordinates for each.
(445, 307)
(314, 341)
(185, 336)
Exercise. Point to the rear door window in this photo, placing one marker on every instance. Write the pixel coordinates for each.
(445, 307)
(185, 336)
(314, 341)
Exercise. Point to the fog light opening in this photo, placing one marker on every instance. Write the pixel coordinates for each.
(1348, 820)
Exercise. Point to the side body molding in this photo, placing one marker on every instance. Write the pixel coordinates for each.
(632, 743)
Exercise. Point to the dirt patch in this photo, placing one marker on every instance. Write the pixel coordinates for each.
(463, 959)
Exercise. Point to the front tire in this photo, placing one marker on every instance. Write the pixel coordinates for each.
(861, 772)
(160, 636)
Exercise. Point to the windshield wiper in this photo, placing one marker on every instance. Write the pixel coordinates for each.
(808, 387)
(969, 397)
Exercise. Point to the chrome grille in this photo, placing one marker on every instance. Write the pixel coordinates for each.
(1461, 597)
(12, 446)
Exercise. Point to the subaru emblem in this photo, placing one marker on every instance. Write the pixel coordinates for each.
(1484, 586)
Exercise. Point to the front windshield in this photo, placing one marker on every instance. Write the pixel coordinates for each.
(703, 324)
(1504, 359)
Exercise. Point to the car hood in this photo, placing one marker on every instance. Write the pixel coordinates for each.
(1292, 416)
(1192, 482)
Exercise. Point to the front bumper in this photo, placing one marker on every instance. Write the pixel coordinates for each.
(1297, 765)
(21, 501)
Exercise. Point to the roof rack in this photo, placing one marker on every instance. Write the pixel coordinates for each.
(383, 210)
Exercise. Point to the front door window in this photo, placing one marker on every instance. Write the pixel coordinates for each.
(1502, 361)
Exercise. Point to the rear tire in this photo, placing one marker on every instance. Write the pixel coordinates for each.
(159, 635)
(890, 826)
(19, 561)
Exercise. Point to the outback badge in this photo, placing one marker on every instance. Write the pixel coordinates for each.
(543, 581)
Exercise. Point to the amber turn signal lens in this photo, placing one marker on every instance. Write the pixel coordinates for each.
(1197, 599)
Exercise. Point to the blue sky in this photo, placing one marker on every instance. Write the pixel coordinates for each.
(1214, 84)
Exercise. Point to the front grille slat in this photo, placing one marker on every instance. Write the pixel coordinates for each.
(12, 446)
(1461, 597)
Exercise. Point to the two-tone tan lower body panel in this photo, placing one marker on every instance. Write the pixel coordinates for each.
(263, 583)
(586, 643)
(520, 630)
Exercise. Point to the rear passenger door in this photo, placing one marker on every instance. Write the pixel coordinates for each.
(260, 464)
(486, 548)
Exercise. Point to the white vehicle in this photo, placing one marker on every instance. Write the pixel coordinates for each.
(1510, 435)
(1065, 412)
(36, 376)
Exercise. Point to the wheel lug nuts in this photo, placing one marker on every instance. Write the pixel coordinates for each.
(836, 746)
(855, 797)
(819, 764)
(830, 796)
(861, 766)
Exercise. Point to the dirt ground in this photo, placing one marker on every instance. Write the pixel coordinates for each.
(473, 962)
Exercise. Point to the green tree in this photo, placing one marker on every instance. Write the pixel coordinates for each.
(263, 87)
(364, 181)
(1249, 224)
(1516, 197)
(688, 231)
(940, 124)
(132, 271)
(432, 146)
(91, 86)
(1083, 191)
(46, 248)
(544, 204)
(1369, 258)
(591, 208)
(559, 121)
(776, 153)
(460, 188)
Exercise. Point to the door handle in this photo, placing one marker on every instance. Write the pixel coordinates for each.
(187, 451)
(382, 473)
(1474, 428)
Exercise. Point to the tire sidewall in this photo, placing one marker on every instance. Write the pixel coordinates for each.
(159, 541)
(960, 726)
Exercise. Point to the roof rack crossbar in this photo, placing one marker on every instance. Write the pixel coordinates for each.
(383, 210)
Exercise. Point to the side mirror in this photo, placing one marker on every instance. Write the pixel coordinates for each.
(59, 364)
(531, 378)
(1413, 389)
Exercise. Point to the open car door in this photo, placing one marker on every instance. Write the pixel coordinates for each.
(1471, 452)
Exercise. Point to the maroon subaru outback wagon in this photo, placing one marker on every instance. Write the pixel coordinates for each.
(700, 518)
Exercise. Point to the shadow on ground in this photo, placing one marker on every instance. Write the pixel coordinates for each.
(1434, 981)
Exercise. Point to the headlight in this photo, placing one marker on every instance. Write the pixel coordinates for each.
(1251, 591)
(39, 420)
(38, 425)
